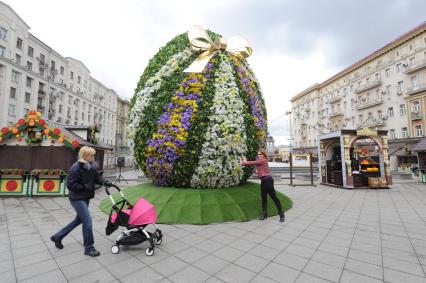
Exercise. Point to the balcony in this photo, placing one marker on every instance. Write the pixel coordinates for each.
(42, 93)
(418, 66)
(335, 114)
(377, 124)
(368, 86)
(334, 99)
(369, 104)
(416, 115)
(416, 89)
(43, 64)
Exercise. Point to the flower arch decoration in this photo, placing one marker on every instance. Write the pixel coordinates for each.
(32, 129)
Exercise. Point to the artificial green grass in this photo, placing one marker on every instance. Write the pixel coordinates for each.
(201, 206)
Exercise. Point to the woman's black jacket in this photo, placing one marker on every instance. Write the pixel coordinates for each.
(82, 178)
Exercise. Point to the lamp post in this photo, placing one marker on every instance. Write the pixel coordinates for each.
(288, 113)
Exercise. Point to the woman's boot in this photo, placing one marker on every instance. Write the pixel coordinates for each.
(263, 215)
(282, 216)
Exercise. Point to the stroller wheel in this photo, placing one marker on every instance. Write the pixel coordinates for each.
(149, 251)
(115, 249)
(158, 241)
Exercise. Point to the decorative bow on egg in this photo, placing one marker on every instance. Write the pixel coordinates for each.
(201, 41)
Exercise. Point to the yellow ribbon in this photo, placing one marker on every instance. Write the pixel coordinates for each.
(201, 41)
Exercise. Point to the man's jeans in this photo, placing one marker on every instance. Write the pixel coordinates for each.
(81, 207)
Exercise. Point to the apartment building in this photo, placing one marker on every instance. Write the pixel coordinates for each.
(34, 76)
(122, 141)
(386, 90)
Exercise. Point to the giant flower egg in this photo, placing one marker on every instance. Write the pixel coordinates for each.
(191, 129)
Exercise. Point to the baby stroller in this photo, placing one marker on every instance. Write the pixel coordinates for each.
(135, 218)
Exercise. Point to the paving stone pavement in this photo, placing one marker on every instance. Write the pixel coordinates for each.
(330, 235)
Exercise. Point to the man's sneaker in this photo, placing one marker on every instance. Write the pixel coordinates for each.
(92, 253)
(58, 243)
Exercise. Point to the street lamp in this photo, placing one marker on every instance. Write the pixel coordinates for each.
(288, 113)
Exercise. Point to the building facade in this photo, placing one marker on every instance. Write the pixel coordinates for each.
(34, 76)
(122, 141)
(385, 91)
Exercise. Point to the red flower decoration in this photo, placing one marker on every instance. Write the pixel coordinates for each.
(41, 121)
(5, 130)
(21, 121)
(75, 143)
(56, 131)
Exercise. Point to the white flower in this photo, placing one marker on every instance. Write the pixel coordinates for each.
(225, 142)
(153, 84)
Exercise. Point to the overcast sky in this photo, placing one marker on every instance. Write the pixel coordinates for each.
(295, 43)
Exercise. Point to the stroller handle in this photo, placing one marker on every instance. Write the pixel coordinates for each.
(112, 186)
(110, 196)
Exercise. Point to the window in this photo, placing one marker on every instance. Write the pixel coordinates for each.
(3, 33)
(387, 72)
(14, 76)
(412, 61)
(62, 70)
(419, 130)
(27, 97)
(78, 79)
(19, 43)
(398, 67)
(72, 75)
(388, 90)
(404, 132)
(379, 114)
(2, 50)
(60, 108)
(11, 110)
(52, 65)
(42, 58)
(414, 82)
(360, 118)
(18, 59)
(390, 112)
(402, 110)
(29, 82)
(400, 86)
(392, 134)
(377, 76)
(30, 52)
(29, 65)
(344, 105)
(416, 106)
(12, 93)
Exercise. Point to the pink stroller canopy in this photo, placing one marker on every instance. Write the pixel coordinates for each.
(142, 213)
